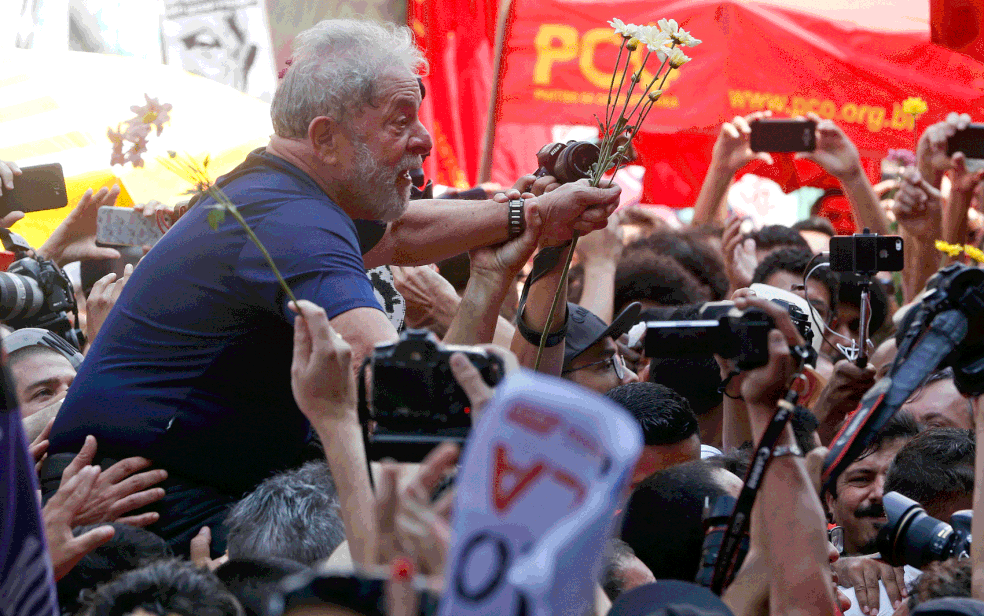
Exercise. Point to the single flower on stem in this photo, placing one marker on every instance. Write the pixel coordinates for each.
(154, 113)
(623, 29)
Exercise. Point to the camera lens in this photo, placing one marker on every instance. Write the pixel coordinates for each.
(911, 537)
(20, 297)
(575, 162)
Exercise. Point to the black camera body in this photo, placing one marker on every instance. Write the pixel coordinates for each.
(741, 335)
(416, 403)
(911, 537)
(961, 287)
(34, 292)
(866, 253)
(568, 162)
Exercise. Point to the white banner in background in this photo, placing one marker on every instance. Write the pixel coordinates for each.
(225, 40)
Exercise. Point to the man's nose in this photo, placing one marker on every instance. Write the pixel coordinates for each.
(421, 142)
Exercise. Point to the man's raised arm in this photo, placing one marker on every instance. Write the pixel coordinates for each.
(432, 230)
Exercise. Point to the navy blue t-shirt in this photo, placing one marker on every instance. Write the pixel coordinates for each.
(192, 366)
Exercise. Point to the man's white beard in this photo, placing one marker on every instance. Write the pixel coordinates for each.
(374, 186)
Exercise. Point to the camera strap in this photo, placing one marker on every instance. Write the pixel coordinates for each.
(543, 264)
(737, 528)
(364, 417)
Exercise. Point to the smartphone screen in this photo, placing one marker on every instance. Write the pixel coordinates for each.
(970, 141)
(37, 188)
(783, 135)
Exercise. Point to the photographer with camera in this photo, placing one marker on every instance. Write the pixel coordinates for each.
(792, 532)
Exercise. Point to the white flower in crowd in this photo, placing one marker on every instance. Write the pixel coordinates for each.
(623, 29)
(669, 26)
(653, 38)
(678, 58)
(682, 37)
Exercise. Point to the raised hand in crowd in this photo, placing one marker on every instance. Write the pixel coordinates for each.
(431, 300)
(963, 184)
(795, 546)
(75, 238)
(323, 384)
(839, 157)
(931, 158)
(60, 515)
(731, 152)
(8, 171)
(840, 396)
(599, 253)
(116, 491)
(918, 209)
(740, 258)
(101, 300)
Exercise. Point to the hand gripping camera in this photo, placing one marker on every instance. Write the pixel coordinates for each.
(415, 402)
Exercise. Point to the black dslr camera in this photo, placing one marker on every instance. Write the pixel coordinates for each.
(34, 292)
(568, 162)
(415, 401)
(913, 538)
(742, 335)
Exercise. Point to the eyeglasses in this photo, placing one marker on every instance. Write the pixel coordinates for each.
(836, 537)
(615, 362)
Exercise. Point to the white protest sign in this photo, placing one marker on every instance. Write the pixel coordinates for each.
(543, 476)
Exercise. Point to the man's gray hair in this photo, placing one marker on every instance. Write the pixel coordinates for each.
(292, 515)
(335, 67)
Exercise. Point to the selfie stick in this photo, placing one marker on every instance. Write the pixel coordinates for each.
(862, 360)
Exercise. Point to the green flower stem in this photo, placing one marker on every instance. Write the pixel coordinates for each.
(553, 305)
(252, 236)
(610, 111)
(611, 86)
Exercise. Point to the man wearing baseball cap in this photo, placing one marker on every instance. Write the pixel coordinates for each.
(591, 358)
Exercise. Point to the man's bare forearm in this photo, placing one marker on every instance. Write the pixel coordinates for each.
(535, 317)
(435, 229)
(864, 201)
(598, 294)
(478, 311)
(707, 209)
(346, 456)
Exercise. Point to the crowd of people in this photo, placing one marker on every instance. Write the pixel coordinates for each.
(216, 448)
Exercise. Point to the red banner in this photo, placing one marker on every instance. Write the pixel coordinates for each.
(560, 54)
(457, 38)
(959, 25)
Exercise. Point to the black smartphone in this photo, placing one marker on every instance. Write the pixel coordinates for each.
(783, 135)
(866, 253)
(970, 141)
(37, 188)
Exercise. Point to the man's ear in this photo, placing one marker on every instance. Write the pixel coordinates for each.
(326, 137)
